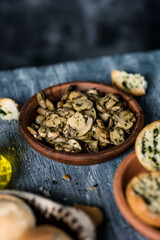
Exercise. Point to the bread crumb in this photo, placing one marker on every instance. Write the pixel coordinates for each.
(67, 177)
(93, 187)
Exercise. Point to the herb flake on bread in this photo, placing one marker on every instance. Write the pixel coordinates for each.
(135, 84)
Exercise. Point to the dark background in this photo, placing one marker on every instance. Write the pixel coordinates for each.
(41, 32)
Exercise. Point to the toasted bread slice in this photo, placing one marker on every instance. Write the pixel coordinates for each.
(143, 197)
(8, 109)
(147, 146)
(135, 84)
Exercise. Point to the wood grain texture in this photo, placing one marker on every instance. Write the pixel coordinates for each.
(28, 113)
(31, 170)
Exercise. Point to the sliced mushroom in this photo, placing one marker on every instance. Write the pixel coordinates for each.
(66, 93)
(91, 112)
(126, 115)
(75, 144)
(81, 105)
(52, 134)
(74, 94)
(34, 126)
(49, 105)
(80, 123)
(105, 116)
(42, 132)
(40, 119)
(31, 130)
(100, 134)
(91, 146)
(92, 91)
(110, 103)
(100, 108)
(100, 123)
(59, 104)
(42, 111)
(117, 136)
(41, 99)
(119, 122)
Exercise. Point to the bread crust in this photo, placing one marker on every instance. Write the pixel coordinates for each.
(115, 76)
(138, 146)
(138, 205)
(7, 103)
(15, 217)
(45, 232)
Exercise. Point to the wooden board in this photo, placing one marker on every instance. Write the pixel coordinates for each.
(34, 173)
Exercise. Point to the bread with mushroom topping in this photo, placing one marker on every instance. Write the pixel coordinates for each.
(135, 84)
(143, 197)
(147, 146)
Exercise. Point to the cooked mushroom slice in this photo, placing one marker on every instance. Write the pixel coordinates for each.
(117, 107)
(41, 99)
(59, 104)
(92, 91)
(52, 134)
(34, 126)
(100, 123)
(54, 120)
(74, 94)
(37, 137)
(113, 96)
(42, 111)
(40, 119)
(126, 115)
(121, 123)
(75, 144)
(100, 108)
(81, 105)
(110, 103)
(117, 136)
(34, 133)
(91, 146)
(31, 130)
(91, 112)
(110, 124)
(58, 147)
(85, 137)
(49, 105)
(66, 93)
(42, 132)
(104, 144)
(105, 116)
(100, 134)
(80, 123)
(67, 105)
(59, 140)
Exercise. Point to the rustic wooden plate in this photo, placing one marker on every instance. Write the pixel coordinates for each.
(73, 221)
(130, 167)
(28, 114)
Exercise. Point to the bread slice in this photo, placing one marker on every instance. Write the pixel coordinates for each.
(147, 146)
(46, 232)
(135, 84)
(8, 109)
(15, 217)
(143, 197)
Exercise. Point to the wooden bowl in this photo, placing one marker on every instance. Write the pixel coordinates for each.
(54, 93)
(129, 168)
(73, 221)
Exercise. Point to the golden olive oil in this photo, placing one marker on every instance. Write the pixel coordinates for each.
(5, 172)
